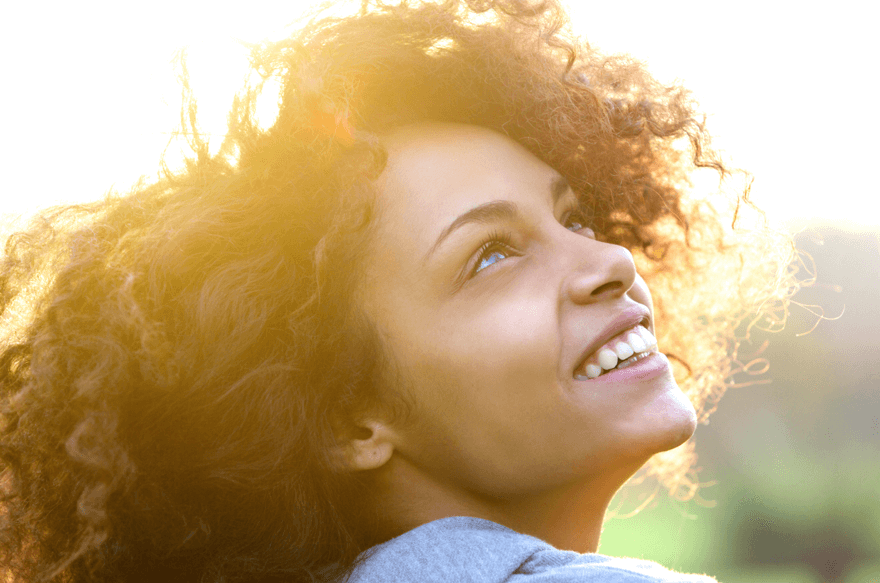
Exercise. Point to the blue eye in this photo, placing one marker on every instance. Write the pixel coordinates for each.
(488, 259)
(495, 248)
(573, 221)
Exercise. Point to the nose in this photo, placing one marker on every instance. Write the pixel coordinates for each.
(601, 271)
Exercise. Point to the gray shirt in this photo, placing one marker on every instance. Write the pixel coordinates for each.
(463, 549)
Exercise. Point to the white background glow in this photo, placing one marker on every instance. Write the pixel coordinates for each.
(790, 89)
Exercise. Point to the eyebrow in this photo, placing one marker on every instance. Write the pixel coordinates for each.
(496, 211)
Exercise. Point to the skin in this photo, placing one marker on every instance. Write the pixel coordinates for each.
(486, 347)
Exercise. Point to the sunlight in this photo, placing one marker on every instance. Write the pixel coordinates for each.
(769, 80)
(103, 113)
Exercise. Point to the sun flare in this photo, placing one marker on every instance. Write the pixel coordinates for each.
(106, 111)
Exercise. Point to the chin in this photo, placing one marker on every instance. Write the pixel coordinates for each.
(670, 421)
(677, 423)
(680, 434)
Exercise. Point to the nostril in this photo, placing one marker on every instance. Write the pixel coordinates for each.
(611, 285)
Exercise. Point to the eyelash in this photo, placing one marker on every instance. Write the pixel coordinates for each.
(502, 240)
(497, 240)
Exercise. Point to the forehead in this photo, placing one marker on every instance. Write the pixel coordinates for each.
(436, 172)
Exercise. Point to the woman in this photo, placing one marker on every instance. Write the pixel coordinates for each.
(404, 334)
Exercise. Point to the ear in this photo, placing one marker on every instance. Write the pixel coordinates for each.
(368, 447)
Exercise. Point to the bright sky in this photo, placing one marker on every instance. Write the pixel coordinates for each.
(90, 93)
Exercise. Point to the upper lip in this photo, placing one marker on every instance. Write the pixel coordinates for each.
(626, 319)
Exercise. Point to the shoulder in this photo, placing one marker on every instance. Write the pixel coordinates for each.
(557, 566)
(473, 550)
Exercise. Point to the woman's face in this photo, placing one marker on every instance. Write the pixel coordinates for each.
(489, 296)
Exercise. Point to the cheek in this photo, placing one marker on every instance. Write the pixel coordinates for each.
(501, 342)
(486, 388)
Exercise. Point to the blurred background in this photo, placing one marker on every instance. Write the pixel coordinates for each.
(791, 467)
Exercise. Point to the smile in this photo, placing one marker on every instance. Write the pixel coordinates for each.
(622, 351)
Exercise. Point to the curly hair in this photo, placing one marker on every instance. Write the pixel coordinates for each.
(176, 362)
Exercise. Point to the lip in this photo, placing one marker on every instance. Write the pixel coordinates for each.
(644, 369)
(626, 319)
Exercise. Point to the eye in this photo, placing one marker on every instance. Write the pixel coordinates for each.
(491, 257)
(574, 225)
(496, 248)
(577, 222)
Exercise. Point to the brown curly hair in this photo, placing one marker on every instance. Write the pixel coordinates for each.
(176, 362)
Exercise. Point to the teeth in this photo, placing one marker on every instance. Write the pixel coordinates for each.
(607, 359)
(636, 342)
(647, 336)
(631, 361)
(593, 371)
(623, 350)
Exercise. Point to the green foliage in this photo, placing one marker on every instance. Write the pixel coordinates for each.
(790, 519)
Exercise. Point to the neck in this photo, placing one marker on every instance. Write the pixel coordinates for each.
(568, 517)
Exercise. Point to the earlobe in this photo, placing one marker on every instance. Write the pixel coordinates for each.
(371, 449)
